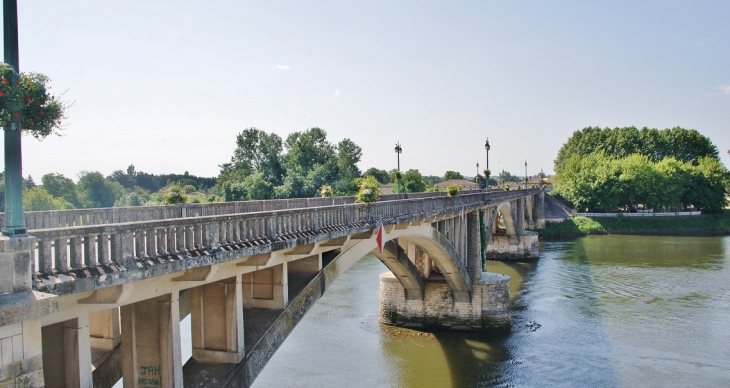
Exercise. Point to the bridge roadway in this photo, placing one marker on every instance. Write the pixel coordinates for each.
(90, 280)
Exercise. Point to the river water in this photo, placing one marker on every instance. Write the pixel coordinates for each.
(608, 311)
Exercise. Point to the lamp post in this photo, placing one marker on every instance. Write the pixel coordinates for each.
(14, 222)
(525, 174)
(478, 186)
(398, 150)
(487, 147)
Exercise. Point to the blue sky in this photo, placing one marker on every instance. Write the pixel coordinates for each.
(167, 85)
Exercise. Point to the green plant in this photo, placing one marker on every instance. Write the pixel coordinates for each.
(40, 113)
(326, 191)
(453, 190)
(506, 187)
(487, 173)
(369, 190)
(175, 196)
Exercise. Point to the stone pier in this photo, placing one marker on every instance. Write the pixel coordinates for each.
(488, 307)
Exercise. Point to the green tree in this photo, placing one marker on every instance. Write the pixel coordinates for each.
(348, 155)
(175, 196)
(256, 151)
(37, 198)
(413, 182)
(96, 191)
(452, 175)
(257, 187)
(59, 186)
(381, 176)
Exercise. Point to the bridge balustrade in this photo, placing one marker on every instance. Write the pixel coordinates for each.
(167, 234)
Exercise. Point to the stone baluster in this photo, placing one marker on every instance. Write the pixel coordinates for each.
(60, 255)
(90, 251)
(76, 252)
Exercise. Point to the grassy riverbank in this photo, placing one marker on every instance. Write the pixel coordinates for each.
(680, 225)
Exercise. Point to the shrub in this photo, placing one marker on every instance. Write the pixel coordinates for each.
(175, 196)
(453, 190)
(325, 191)
(369, 190)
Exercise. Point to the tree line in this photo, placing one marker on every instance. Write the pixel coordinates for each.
(263, 166)
(627, 168)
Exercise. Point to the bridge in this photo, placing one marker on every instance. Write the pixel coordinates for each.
(91, 296)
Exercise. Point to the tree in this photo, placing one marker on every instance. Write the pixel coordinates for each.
(257, 187)
(96, 191)
(175, 196)
(256, 151)
(37, 198)
(381, 176)
(348, 155)
(412, 182)
(59, 186)
(452, 175)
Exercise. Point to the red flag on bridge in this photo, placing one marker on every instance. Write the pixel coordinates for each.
(380, 238)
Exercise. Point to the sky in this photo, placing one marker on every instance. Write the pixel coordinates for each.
(167, 85)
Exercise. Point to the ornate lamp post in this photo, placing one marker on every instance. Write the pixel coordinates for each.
(477, 179)
(487, 147)
(398, 150)
(14, 222)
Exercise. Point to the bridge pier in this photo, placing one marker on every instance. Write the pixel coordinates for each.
(217, 321)
(67, 353)
(151, 343)
(266, 288)
(104, 329)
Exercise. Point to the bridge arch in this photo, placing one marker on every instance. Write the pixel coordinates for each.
(504, 212)
(431, 241)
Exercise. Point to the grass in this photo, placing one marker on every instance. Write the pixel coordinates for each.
(681, 225)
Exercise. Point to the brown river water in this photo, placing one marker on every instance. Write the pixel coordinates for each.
(605, 311)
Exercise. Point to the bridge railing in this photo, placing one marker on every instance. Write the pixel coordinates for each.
(98, 216)
(79, 248)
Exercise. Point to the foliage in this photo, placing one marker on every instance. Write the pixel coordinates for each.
(326, 191)
(718, 223)
(37, 198)
(506, 187)
(152, 183)
(59, 186)
(679, 143)
(506, 176)
(348, 155)
(487, 173)
(369, 190)
(381, 175)
(452, 175)
(40, 112)
(96, 191)
(453, 190)
(600, 183)
(175, 196)
(413, 182)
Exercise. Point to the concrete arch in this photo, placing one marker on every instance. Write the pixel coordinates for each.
(435, 244)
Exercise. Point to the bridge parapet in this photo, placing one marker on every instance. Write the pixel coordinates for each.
(99, 253)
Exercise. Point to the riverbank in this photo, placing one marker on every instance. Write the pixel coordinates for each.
(710, 224)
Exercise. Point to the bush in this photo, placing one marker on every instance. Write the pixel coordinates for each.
(369, 190)
(175, 196)
(325, 191)
(453, 191)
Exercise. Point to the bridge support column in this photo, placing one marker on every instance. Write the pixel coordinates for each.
(21, 349)
(217, 321)
(151, 343)
(104, 329)
(488, 307)
(540, 210)
(474, 245)
(266, 288)
(67, 354)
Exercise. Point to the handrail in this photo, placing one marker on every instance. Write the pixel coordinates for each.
(71, 248)
(78, 217)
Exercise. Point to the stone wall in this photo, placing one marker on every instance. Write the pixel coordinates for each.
(489, 305)
(513, 248)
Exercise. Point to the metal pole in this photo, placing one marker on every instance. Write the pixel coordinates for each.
(398, 150)
(14, 222)
(525, 174)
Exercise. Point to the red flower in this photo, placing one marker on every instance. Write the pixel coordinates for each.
(27, 98)
(16, 115)
(59, 122)
(42, 113)
(2, 94)
(17, 83)
(5, 81)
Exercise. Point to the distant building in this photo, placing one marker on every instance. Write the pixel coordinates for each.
(463, 183)
(387, 188)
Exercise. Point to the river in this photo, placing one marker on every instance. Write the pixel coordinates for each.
(608, 311)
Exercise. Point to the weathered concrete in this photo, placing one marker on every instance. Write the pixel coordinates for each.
(488, 307)
(502, 248)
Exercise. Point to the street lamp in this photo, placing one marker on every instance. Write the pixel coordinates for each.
(487, 147)
(525, 173)
(14, 222)
(398, 150)
(478, 186)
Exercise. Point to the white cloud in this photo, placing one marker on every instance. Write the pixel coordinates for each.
(282, 67)
(337, 93)
(723, 90)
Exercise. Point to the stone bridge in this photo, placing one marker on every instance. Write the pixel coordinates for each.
(94, 295)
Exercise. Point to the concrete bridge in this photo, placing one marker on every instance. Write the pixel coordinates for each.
(94, 295)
